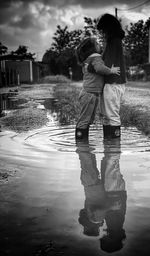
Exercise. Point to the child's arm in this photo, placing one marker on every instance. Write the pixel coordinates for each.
(97, 66)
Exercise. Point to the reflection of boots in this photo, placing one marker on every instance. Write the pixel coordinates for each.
(106, 131)
(115, 131)
(82, 134)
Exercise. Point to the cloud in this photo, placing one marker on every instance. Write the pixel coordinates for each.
(33, 22)
(64, 3)
(133, 16)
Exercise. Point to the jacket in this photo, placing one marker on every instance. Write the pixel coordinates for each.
(93, 82)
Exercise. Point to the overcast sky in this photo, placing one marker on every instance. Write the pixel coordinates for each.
(33, 23)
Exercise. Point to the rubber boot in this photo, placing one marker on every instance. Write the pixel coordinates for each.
(115, 131)
(106, 131)
(82, 134)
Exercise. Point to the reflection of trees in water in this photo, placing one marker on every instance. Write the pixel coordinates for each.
(105, 195)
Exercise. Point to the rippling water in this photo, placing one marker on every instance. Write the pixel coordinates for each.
(63, 198)
(61, 138)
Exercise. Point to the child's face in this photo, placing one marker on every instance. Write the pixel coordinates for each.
(97, 46)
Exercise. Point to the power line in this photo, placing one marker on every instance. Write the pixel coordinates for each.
(134, 6)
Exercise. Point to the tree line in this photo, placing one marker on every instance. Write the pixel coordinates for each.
(21, 51)
(60, 57)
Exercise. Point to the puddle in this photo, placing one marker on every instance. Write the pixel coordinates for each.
(68, 199)
(9, 102)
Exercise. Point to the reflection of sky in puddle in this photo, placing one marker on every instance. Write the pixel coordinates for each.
(56, 193)
(54, 138)
(61, 195)
(62, 138)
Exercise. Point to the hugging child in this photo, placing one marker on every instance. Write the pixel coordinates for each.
(88, 52)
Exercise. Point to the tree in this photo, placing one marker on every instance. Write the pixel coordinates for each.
(90, 29)
(23, 52)
(3, 49)
(61, 55)
(136, 43)
(64, 39)
(50, 58)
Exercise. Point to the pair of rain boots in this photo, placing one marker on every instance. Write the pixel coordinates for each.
(111, 132)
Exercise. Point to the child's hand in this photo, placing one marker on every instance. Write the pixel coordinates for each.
(115, 70)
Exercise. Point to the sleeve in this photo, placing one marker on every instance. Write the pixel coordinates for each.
(99, 66)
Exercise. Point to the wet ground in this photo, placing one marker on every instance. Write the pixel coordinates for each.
(62, 198)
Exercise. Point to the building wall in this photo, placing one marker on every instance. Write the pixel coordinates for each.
(23, 68)
(15, 72)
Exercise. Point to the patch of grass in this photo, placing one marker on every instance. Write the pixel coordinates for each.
(24, 119)
(135, 116)
(37, 91)
(131, 114)
(138, 84)
(54, 79)
(135, 111)
(67, 104)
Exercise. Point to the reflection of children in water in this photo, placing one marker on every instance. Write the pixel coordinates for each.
(92, 216)
(105, 195)
(114, 185)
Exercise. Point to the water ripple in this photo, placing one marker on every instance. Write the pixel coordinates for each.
(62, 139)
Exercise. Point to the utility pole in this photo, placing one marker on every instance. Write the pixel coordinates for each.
(149, 45)
(116, 12)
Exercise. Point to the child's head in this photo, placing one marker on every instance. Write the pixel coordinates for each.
(110, 26)
(87, 47)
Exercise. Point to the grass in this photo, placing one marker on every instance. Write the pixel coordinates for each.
(134, 116)
(24, 120)
(67, 104)
(135, 110)
(55, 79)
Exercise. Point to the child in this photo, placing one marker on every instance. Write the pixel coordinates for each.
(114, 87)
(93, 82)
